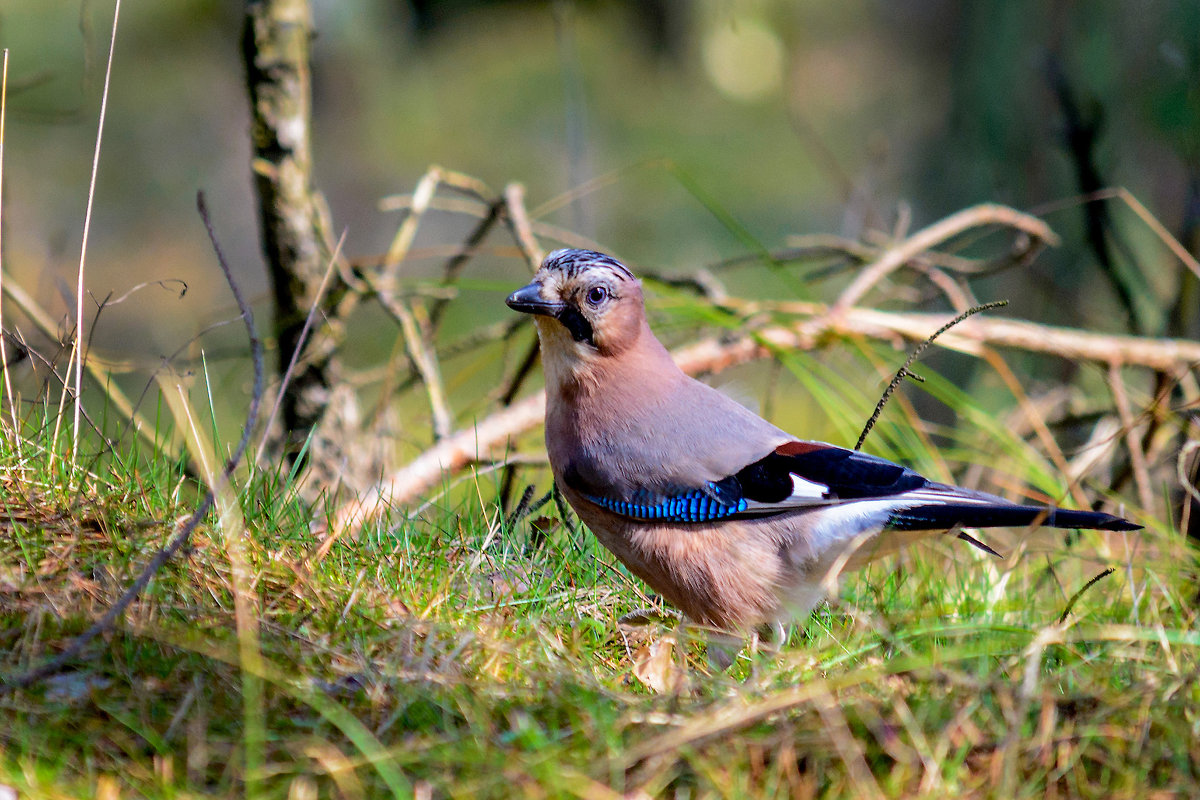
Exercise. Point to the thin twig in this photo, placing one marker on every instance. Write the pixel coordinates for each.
(1151, 222)
(523, 371)
(105, 623)
(941, 231)
(459, 260)
(518, 220)
(478, 208)
(1143, 213)
(903, 372)
(424, 360)
(162, 284)
(1137, 456)
(408, 228)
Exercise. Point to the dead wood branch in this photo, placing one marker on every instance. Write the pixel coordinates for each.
(819, 324)
(1172, 355)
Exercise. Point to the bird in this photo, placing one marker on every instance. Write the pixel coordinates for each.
(733, 521)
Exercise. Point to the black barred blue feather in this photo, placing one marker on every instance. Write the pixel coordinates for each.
(692, 506)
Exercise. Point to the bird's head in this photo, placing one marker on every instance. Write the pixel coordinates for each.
(588, 306)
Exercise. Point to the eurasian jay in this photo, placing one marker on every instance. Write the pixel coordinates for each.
(729, 518)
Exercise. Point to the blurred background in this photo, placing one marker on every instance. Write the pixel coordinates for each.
(694, 128)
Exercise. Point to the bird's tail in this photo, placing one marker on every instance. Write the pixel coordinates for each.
(973, 514)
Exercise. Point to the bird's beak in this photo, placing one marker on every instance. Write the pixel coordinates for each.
(529, 300)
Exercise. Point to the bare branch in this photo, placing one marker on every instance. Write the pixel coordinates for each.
(1169, 355)
(937, 233)
(449, 455)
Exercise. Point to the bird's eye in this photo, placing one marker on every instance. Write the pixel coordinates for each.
(597, 295)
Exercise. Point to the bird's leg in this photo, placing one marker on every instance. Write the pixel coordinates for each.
(723, 648)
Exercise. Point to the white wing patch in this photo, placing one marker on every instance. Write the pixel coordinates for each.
(802, 487)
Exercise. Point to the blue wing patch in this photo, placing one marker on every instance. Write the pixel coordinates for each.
(713, 502)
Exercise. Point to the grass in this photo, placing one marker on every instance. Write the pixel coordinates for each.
(454, 655)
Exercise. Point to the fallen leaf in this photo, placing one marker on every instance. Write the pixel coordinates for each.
(654, 665)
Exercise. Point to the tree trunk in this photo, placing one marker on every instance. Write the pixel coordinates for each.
(295, 221)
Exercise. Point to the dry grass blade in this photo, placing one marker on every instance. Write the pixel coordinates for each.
(8, 393)
(232, 527)
(180, 538)
(354, 730)
(736, 715)
(861, 778)
(77, 353)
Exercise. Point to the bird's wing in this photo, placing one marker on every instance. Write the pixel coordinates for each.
(790, 476)
(798, 475)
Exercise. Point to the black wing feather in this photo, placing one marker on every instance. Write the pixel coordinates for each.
(848, 474)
